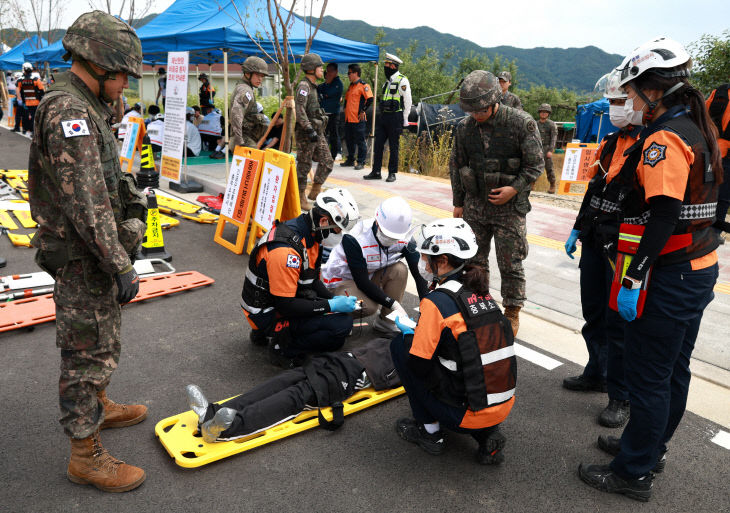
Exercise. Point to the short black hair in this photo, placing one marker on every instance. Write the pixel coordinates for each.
(332, 65)
(153, 110)
(355, 68)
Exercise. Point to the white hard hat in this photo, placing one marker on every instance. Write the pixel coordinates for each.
(394, 217)
(189, 110)
(611, 88)
(159, 116)
(449, 236)
(27, 65)
(35, 74)
(658, 55)
(17, 74)
(340, 206)
(393, 58)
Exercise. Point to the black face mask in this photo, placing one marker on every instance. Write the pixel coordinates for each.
(389, 71)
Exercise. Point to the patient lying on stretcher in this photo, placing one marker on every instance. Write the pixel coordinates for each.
(326, 380)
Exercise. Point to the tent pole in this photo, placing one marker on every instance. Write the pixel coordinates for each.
(225, 105)
(141, 87)
(600, 122)
(375, 109)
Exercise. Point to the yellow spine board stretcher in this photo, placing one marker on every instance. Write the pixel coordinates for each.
(168, 222)
(185, 209)
(14, 173)
(178, 434)
(20, 240)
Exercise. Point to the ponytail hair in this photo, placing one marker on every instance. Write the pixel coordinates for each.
(474, 277)
(692, 98)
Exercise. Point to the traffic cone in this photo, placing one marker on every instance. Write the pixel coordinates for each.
(152, 245)
(147, 176)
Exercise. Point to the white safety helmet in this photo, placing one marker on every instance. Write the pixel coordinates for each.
(340, 206)
(608, 84)
(35, 75)
(17, 75)
(27, 65)
(449, 236)
(159, 116)
(658, 55)
(394, 217)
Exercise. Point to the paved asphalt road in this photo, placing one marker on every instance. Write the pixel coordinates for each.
(200, 337)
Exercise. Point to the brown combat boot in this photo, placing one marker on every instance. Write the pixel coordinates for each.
(316, 189)
(513, 314)
(91, 464)
(553, 188)
(303, 203)
(120, 415)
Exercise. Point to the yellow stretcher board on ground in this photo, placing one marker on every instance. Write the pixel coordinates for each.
(578, 168)
(179, 436)
(277, 196)
(14, 173)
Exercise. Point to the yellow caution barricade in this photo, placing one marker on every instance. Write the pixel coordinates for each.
(153, 245)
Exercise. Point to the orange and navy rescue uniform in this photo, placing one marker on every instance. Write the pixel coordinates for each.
(355, 99)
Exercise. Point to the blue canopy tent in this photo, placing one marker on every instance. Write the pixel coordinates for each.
(52, 54)
(592, 121)
(14, 58)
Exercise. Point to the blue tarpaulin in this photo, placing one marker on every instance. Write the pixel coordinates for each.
(205, 27)
(592, 122)
(14, 58)
(52, 54)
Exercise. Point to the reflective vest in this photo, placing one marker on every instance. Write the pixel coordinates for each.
(156, 132)
(211, 124)
(30, 90)
(392, 98)
(377, 257)
(700, 198)
(255, 297)
(480, 370)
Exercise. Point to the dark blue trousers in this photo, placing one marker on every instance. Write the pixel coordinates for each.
(723, 195)
(333, 136)
(355, 139)
(388, 127)
(595, 285)
(656, 361)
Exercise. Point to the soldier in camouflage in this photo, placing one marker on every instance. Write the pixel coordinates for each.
(309, 130)
(247, 124)
(495, 159)
(509, 99)
(90, 220)
(549, 136)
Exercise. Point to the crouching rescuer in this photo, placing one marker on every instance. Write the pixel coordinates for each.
(458, 365)
(283, 299)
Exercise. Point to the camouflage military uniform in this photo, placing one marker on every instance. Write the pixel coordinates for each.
(247, 124)
(87, 229)
(504, 150)
(549, 136)
(310, 116)
(511, 100)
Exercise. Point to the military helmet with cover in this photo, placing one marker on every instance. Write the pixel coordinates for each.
(106, 41)
(311, 61)
(479, 90)
(255, 64)
(545, 107)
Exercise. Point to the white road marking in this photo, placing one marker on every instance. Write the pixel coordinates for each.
(722, 438)
(537, 358)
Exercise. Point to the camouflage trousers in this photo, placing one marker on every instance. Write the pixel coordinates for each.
(549, 171)
(307, 152)
(509, 231)
(246, 141)
(89, 336)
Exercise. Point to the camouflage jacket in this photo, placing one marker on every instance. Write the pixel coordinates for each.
(548, 134)
(511, 100)
(75, 179)
(247, 124)
(505, 150)
(308, 111)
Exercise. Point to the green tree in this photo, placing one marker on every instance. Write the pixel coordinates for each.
(711, 55)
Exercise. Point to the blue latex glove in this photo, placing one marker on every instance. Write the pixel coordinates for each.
(402, 327)
(342, 304)
(626, 302)
(570, 243)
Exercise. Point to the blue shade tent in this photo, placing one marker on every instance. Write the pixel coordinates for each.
(205, 27)
(52, 54)
(592, 122)
(14, 59)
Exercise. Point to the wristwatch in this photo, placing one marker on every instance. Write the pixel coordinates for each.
(630, 283)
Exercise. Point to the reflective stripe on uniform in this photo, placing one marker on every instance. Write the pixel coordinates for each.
(688, 212)
(500, 397)
(487, 358)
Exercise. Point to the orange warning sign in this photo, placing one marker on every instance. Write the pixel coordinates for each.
(170, 168)
(578, 168)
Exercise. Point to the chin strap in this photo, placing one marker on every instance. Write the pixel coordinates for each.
(652, 105)
(109, 75)
(440, 278)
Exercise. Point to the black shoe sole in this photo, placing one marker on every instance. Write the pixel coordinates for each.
(493, 454)
(638, 495)
(585, 387)
(406, 435)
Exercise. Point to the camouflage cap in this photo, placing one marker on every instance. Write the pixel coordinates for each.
(311, 61)
(479, 90)
(505, 75)
(544, 107)
(106, 41)
(255, 65)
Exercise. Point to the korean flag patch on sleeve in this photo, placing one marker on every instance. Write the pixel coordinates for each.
(303, 92)
(292, 261)
(74, 127)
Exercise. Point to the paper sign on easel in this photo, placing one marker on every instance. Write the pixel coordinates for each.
(240, 195)
(578, 168)
(173, 142)
(132, 142)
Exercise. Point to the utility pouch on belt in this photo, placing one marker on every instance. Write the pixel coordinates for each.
(130, 233)
(629, 238)
(134, 201)
(468, 180)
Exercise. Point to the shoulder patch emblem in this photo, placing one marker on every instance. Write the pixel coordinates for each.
(74, 127)
(404, 87)
(654, 154)
(293, 261)
(531, 125)
(303, 92)
(248, 95)
(366, 89)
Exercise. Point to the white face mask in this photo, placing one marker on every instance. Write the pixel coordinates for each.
(618, 116)
(384, 239)
(634, 117)
(426, 275)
